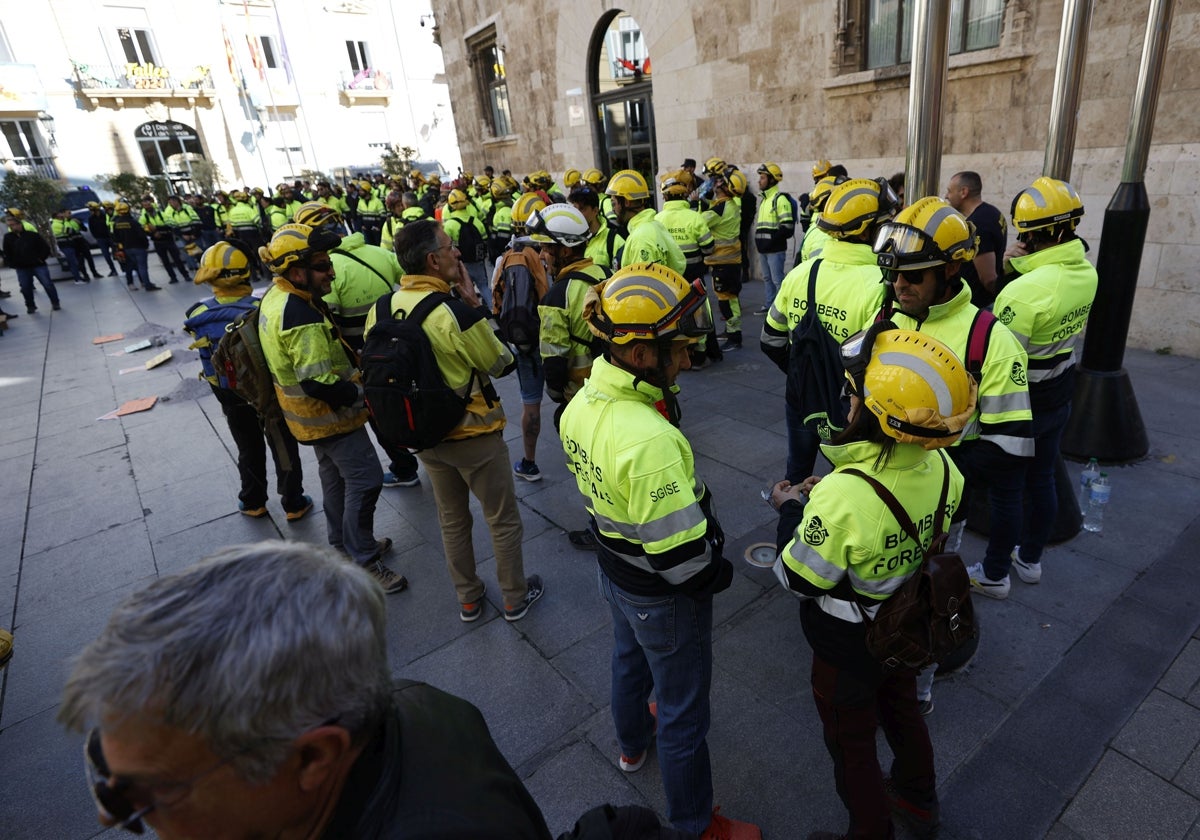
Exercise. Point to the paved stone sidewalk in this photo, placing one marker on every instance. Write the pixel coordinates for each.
(1079, 717)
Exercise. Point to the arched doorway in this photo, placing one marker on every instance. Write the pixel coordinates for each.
(619, 82)
(168, 149)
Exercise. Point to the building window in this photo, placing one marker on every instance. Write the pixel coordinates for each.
(360, 59)
(137, 44)
(6, 53)
(488, 58)
(269, 53)
(22, 147)
(974, 25)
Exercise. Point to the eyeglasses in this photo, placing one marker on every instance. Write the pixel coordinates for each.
(126, 802)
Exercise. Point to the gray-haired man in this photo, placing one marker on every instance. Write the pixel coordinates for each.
(250, 696)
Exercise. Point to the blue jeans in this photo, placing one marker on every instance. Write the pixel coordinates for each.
(479, 276)
(25, 277)
(72, 261)
(1041, 491)
(106, 252)
(803, 445)
(137, 259)
(987, 468)
(351, 480)
(772, 270)
(663, 643)
(531, 377)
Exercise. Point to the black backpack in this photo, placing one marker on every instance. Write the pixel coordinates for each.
(816, 375)
(518, 319)
(403, 387)
(470, 243)
(930, 615)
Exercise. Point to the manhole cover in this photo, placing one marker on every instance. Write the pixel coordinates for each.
(761, 555)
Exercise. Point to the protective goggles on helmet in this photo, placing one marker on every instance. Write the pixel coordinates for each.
(856, 352)
(903, 246)
(690, 317)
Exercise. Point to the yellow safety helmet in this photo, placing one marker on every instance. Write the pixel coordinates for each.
(1047, 202)
(854, 205)
(542, 179)
(108, 205)
(483, 182)
(16, 212)
(293, 244)
(649, 302)
(673, 185)
(629, 185)
(365, 187)
(737, 181)
(120, 207)
(224, 264)
(315, 214)
(593, 178)
(524, 207)
(771, 170)
(457, 200)
(94, 205)
(821, 169)
(434, 178)
(501, 188)
(467, 175)
(417, 176)
(925, 234)
(820, 192)
(916, 387)
(238, 195)
(571, 179)
(714, 166)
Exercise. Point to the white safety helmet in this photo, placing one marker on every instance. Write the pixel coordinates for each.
(560, 224)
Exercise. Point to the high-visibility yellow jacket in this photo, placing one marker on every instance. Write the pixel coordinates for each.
(690, 232)
(848, 294)
(637, 475)
(605, 247)
(1003, 415)
(649, 241)
(313, 370)
(1047, 308)
(724, 220)
(814, 240)
(356, 287)
(849, 534)
(774, 223)
(467, 351)
(566, 342)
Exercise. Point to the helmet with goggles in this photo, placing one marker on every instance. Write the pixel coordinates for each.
(772, 171)
(647, 302)
(916, 387)
(524, 207)
(295, 244)
(674, 185)
(558, 224)
(820, 193)
(923, 235)
(224, 264)
(854, 205)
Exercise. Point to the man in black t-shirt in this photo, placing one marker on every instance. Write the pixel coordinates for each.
(984, 272)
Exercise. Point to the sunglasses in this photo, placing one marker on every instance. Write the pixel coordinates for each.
(912, 278)
(327, 265)
(126, 802)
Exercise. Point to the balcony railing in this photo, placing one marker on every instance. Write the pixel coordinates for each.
(368, 85)
(43, 167)
(141, 81)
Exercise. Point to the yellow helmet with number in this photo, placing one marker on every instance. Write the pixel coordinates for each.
(524, 207)
(648, 302)
(629, 184)
(1047, 202)
(293, 244)
(916, 387)
(457, 200)
(854, 205)
(224, 264)
(925, 234)
(315, 214)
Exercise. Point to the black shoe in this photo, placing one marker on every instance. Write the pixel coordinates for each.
(29, 310)
(583, 540)
(153, 288)
(922, 823)
(8, 315)
(112, 274)
(5, 294)
(173, 281)
(57, 307)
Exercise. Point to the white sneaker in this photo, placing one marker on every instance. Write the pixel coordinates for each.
(1027, 572)
(983, 585)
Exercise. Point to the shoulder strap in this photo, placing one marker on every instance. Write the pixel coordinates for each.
(977, 341)
(428, 303)
(378, 273)
(898, 511)
(612, 241)
(812, 286)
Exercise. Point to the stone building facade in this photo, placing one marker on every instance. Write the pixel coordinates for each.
(753, 80)
(265, 89)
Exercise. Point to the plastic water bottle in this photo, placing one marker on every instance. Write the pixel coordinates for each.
(1090, 473)
(1101, 491)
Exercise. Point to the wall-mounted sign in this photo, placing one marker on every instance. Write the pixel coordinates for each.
(159, 130)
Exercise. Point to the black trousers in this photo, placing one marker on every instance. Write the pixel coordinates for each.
(169, 254)
(248, 435)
